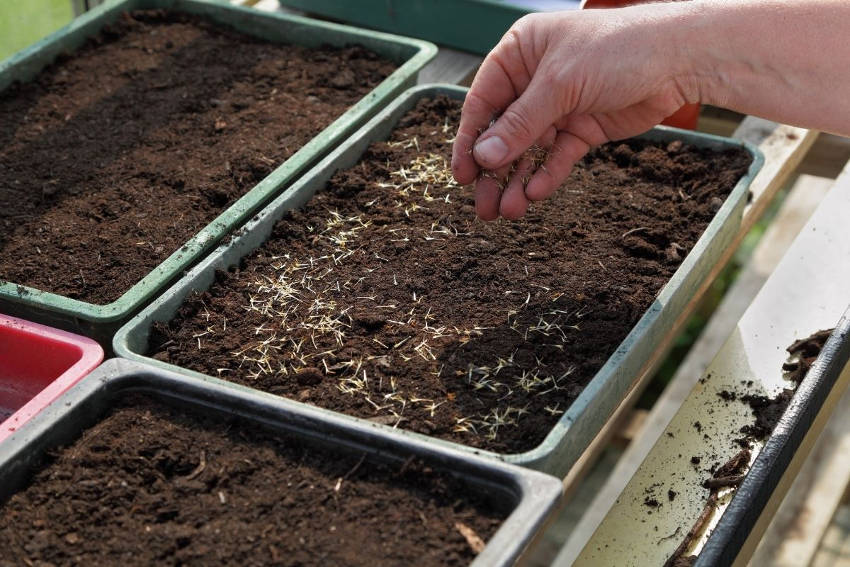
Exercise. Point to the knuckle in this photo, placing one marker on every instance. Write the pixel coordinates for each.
(514, 33)
(526, 23)
(475, 104)
(565, 76)
(511, 38)
(507, 44)
(517, 124)
(520, 31)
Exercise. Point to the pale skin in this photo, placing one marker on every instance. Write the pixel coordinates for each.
(568, 81)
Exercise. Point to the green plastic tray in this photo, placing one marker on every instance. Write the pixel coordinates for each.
(101, 321)
(584, 418)
(471, 25)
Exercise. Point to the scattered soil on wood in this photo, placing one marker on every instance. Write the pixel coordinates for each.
(151, 485)
(115, 156)
(384, 298)
(766, 413)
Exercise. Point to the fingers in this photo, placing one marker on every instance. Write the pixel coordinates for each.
(503, 76)
(497, 83)
(546, 140)
(488, 193)
(502, 193)
(579, 133)
(514, 203)
(523, 122)
(476, 111)
(566, 151)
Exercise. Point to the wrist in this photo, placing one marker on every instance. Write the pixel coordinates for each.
(712, 61)
(699, 65)
(697, 47)
(676, 35)
(720, 60)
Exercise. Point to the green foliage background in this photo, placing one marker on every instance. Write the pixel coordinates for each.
(23, 22)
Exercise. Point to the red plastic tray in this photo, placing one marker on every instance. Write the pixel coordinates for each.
(37, 364)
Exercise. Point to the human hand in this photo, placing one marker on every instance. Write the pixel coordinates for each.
(557, 84)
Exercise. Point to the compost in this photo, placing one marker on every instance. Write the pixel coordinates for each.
(151, 484)
(386, 299)
(115, 156)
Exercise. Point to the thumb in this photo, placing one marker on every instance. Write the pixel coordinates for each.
(518, 128)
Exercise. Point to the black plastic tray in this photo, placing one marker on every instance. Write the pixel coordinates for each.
(531, 494)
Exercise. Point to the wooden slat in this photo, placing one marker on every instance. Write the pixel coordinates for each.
(828, 154)
(784, 148)
(835, 547)
(801, 202)
(632, 425)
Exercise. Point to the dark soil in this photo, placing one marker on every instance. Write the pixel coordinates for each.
(151, 485)
(804, 353)
(768, 411)
(684, 561)
(384, 298)
(114, 157)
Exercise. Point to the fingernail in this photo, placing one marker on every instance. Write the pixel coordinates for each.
(490, 151)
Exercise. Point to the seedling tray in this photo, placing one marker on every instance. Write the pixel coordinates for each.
(101, 321)
(583, 419)
(531, 495)
(37, 364)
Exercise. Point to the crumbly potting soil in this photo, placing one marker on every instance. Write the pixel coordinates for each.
(151, 485)
(113, 157)
(384, 297)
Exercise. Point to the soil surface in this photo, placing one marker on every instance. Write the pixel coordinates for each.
(151, 485)
(384, 297)
(112, 158)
